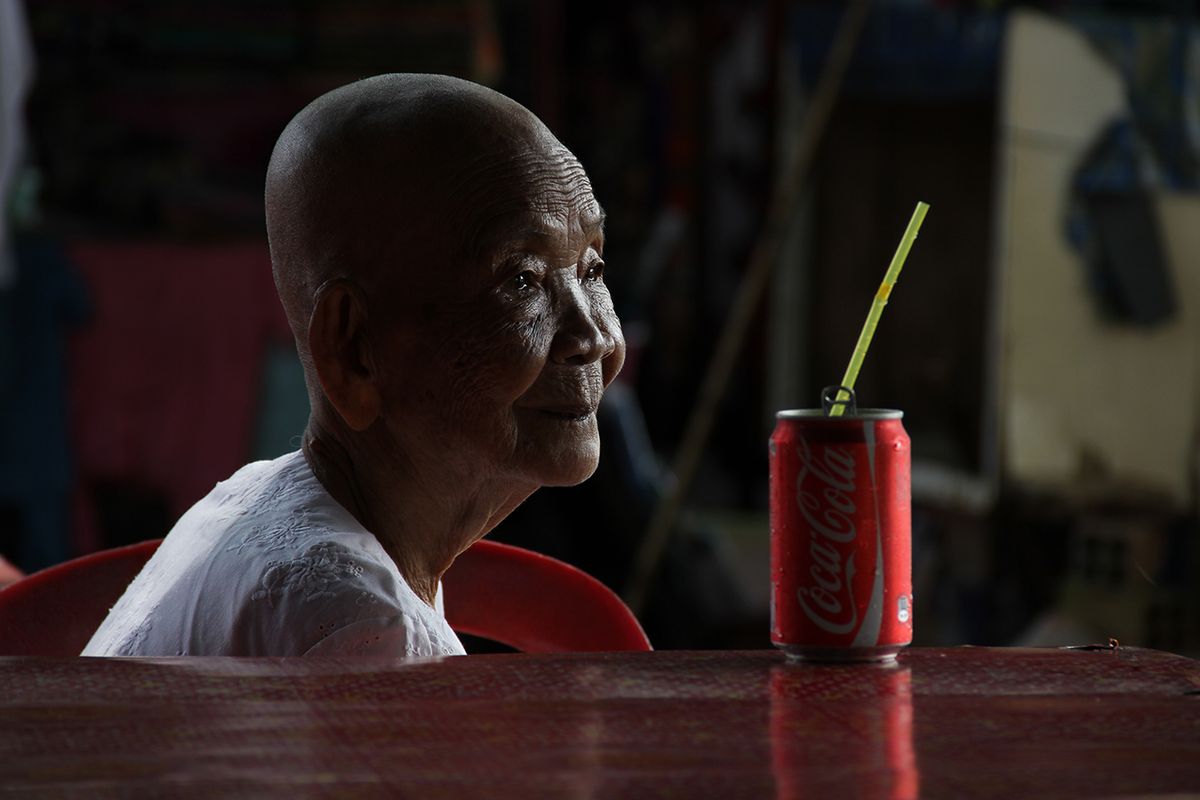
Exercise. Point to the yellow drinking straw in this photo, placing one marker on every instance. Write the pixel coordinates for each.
(881, 298)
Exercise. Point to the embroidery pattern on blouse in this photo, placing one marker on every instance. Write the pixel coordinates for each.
(277, 534)
(314, 575)
(286, 521)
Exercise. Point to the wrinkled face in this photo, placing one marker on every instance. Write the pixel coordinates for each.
(506, 339)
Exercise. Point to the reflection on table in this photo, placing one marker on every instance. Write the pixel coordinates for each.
(965, 722)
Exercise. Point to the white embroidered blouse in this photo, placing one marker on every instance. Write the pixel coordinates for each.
(269, 564)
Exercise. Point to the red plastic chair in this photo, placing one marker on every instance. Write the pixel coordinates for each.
(525, 600)
(54, 612)
(535, 603)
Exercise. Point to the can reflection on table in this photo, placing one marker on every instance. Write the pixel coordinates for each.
(841, 535)
(843, 732)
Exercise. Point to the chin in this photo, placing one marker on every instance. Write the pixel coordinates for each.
(569, 469)
(572, 478)
(556, 452)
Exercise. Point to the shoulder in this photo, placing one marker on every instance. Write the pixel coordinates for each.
(320, 581)
(259, 497)
(333, 566)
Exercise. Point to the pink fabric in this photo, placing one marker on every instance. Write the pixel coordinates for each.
(9, 573)
(165, 379)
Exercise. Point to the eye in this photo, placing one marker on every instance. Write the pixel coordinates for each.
(523, 280)
(595, 272)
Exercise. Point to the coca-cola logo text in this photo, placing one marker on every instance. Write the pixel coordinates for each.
(825, 495)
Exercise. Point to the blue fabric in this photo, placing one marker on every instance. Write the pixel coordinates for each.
(1153, 145)
(905, 51)
(47, 299)
(1111, 219)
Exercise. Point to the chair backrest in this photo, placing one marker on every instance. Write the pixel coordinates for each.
(525, 600)
(535, 603)
(54, 612)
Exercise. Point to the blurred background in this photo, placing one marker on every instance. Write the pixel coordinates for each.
(1044, 342)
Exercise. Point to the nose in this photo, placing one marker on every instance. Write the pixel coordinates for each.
(582, 335)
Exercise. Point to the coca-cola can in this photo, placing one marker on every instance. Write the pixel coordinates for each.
(841, 535)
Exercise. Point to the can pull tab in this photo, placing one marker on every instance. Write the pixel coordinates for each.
(829, 399)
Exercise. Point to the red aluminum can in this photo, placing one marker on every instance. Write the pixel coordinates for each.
(841, 535)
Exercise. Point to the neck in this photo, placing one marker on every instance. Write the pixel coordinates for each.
(423, 517)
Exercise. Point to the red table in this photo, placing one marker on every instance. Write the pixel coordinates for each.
(964, 722)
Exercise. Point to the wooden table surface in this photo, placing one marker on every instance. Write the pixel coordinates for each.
(962, 722)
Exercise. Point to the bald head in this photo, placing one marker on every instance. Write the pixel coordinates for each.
(391, 170)
(440, 257)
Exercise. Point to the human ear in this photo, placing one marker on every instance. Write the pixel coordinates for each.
(341, 353)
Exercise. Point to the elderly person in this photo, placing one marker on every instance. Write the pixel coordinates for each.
(439, 256)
